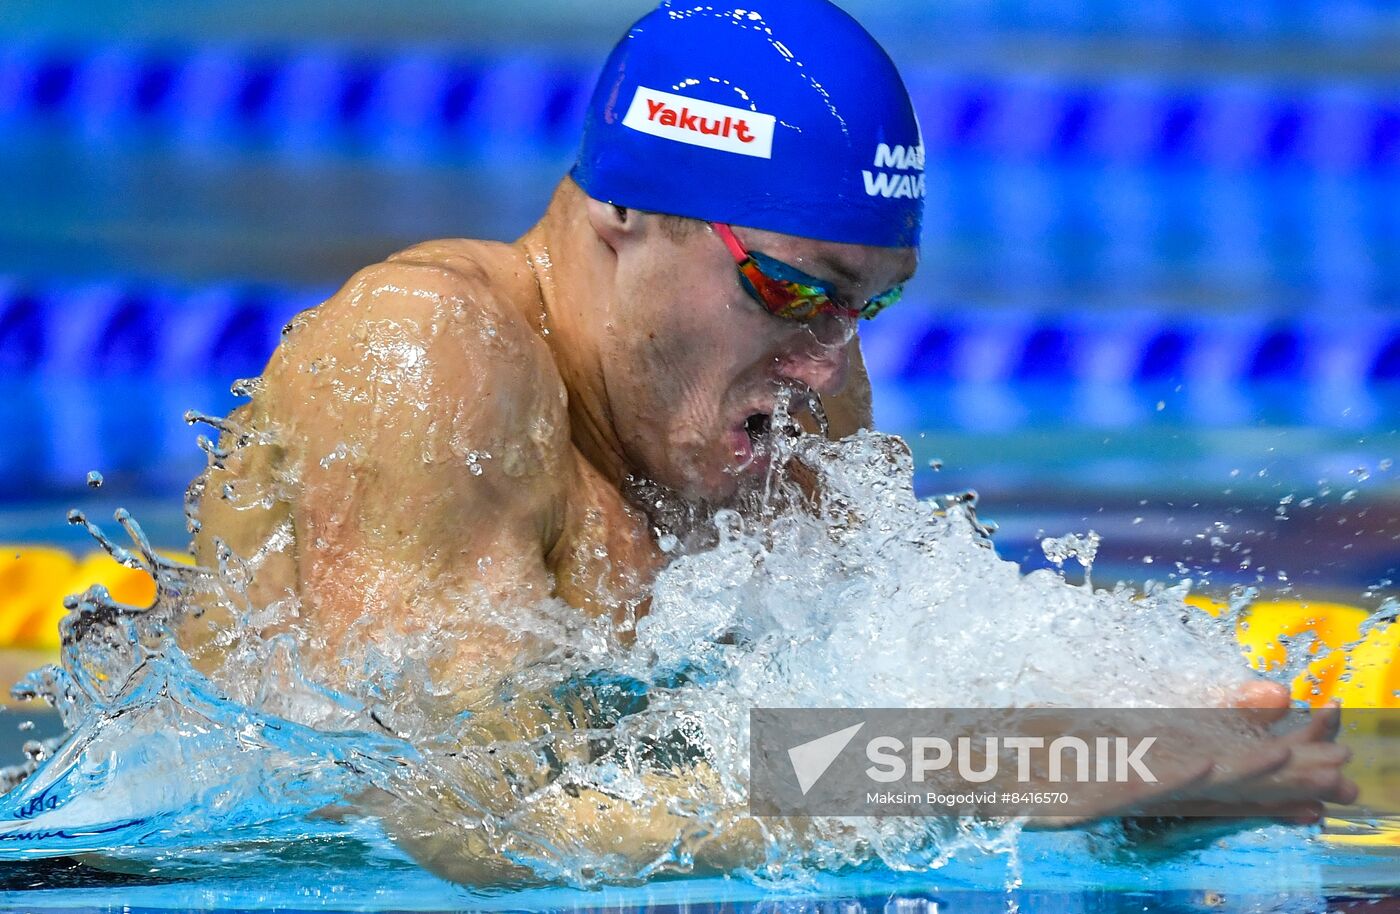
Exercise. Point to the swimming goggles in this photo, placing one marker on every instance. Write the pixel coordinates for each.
(788, 292)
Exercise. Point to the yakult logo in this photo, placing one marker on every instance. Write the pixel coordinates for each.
(701, 123)
(890, 184)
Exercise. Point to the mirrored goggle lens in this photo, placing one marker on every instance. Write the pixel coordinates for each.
(796, 296)
(784, 298)
(880, 302)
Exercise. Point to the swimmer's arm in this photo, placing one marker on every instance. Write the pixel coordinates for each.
(683, 812)
(621, 838)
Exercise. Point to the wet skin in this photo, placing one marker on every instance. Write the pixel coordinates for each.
(448, 440)
(464, 418)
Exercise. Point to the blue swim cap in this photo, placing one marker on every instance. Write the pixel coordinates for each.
(787, 117)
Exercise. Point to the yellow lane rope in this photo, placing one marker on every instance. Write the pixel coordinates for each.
(35, 579)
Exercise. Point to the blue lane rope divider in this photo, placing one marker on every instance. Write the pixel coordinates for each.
(420, 103)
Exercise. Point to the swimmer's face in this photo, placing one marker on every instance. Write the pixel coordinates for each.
(693, 364)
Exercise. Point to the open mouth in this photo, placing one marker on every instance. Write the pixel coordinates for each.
(751, 441)
(757, 426)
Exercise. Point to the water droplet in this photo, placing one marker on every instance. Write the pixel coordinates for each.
(340, 453)
(246, 387)
(1083, 549)
(94, 479)
(729, 524)
(474, 459)
(1161, 405)
(667, 543)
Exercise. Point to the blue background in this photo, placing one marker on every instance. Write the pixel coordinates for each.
(1160, 281)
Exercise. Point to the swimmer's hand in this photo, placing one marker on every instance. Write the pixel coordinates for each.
(1285, 779)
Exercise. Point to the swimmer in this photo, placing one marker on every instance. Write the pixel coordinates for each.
(469, 423)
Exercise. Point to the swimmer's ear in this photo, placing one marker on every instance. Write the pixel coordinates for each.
(615, 225)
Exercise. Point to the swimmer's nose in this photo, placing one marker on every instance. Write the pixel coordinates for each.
(831, 329)
(819, 366)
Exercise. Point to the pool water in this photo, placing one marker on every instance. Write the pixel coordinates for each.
(354, 868)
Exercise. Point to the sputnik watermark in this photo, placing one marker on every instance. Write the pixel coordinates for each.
(811, 759)
(1116, 758)
(1113, 758)
(994, 762)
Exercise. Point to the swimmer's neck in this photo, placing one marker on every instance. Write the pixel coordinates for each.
(573, 270)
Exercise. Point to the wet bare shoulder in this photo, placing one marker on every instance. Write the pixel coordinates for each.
(434, 333)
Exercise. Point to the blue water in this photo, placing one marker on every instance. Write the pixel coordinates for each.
(355, 868)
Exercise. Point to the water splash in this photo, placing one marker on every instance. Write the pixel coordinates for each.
(1082, 549)
(829, 584)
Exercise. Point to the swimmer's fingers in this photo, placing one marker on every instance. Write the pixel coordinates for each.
(1313, 772)
(1193, 827)
(1264, 780)
(1112, 799)
(1244, 765)
(1173, 783)
(1216, 778)
(1267, 700)
(1322, 726)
